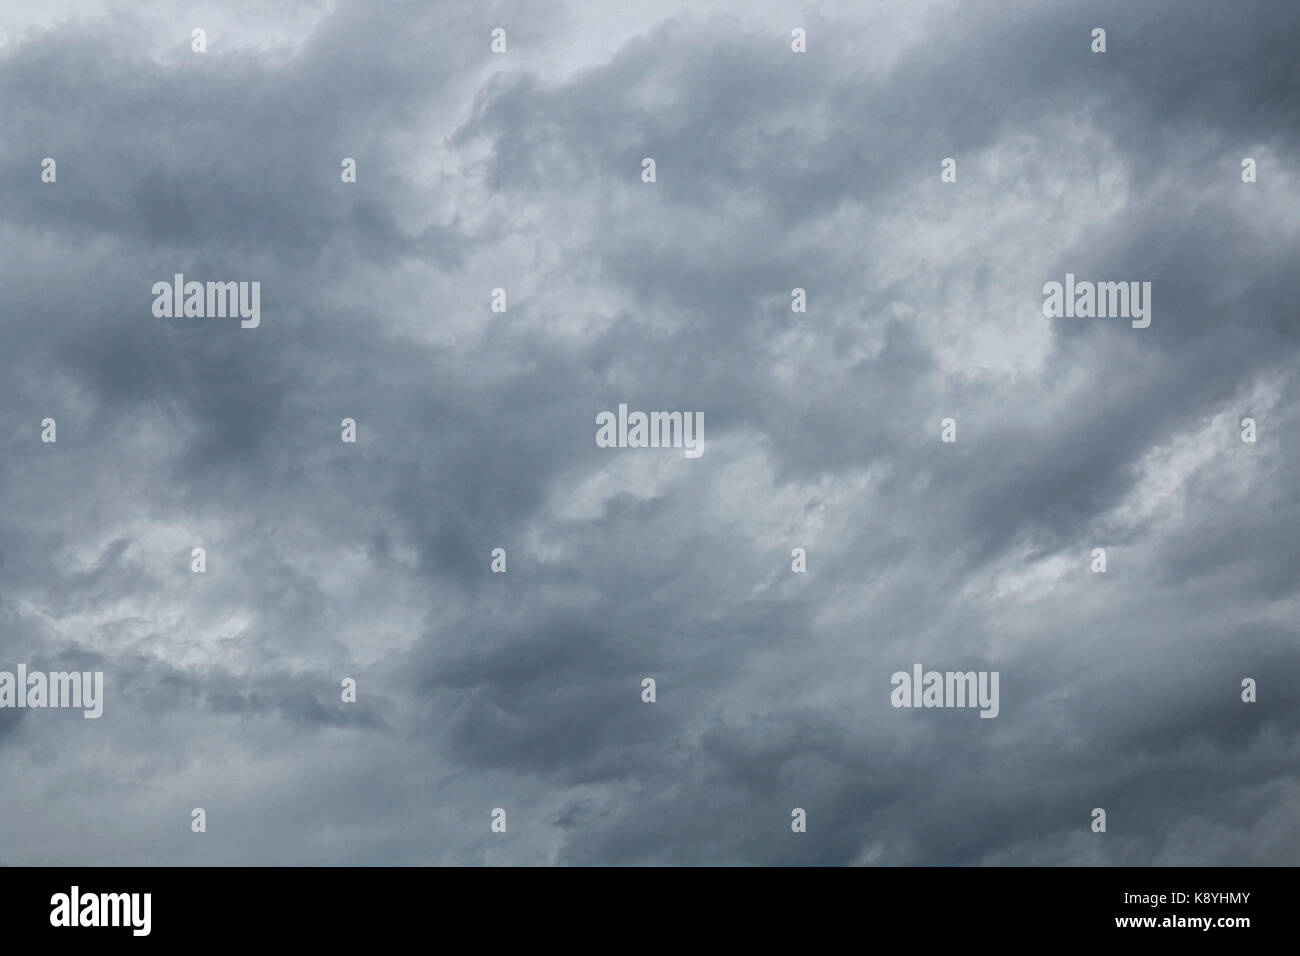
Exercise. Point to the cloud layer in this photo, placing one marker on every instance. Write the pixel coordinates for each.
(521, 690)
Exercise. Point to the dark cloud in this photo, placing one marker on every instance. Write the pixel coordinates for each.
(478, 690)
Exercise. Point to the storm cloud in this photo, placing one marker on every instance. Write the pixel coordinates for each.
(775, 170)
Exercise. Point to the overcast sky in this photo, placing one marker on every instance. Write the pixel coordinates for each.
(476, 430)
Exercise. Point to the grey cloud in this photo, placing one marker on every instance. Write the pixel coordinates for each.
(476, 430)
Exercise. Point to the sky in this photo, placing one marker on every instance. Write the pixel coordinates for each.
(522, 691)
